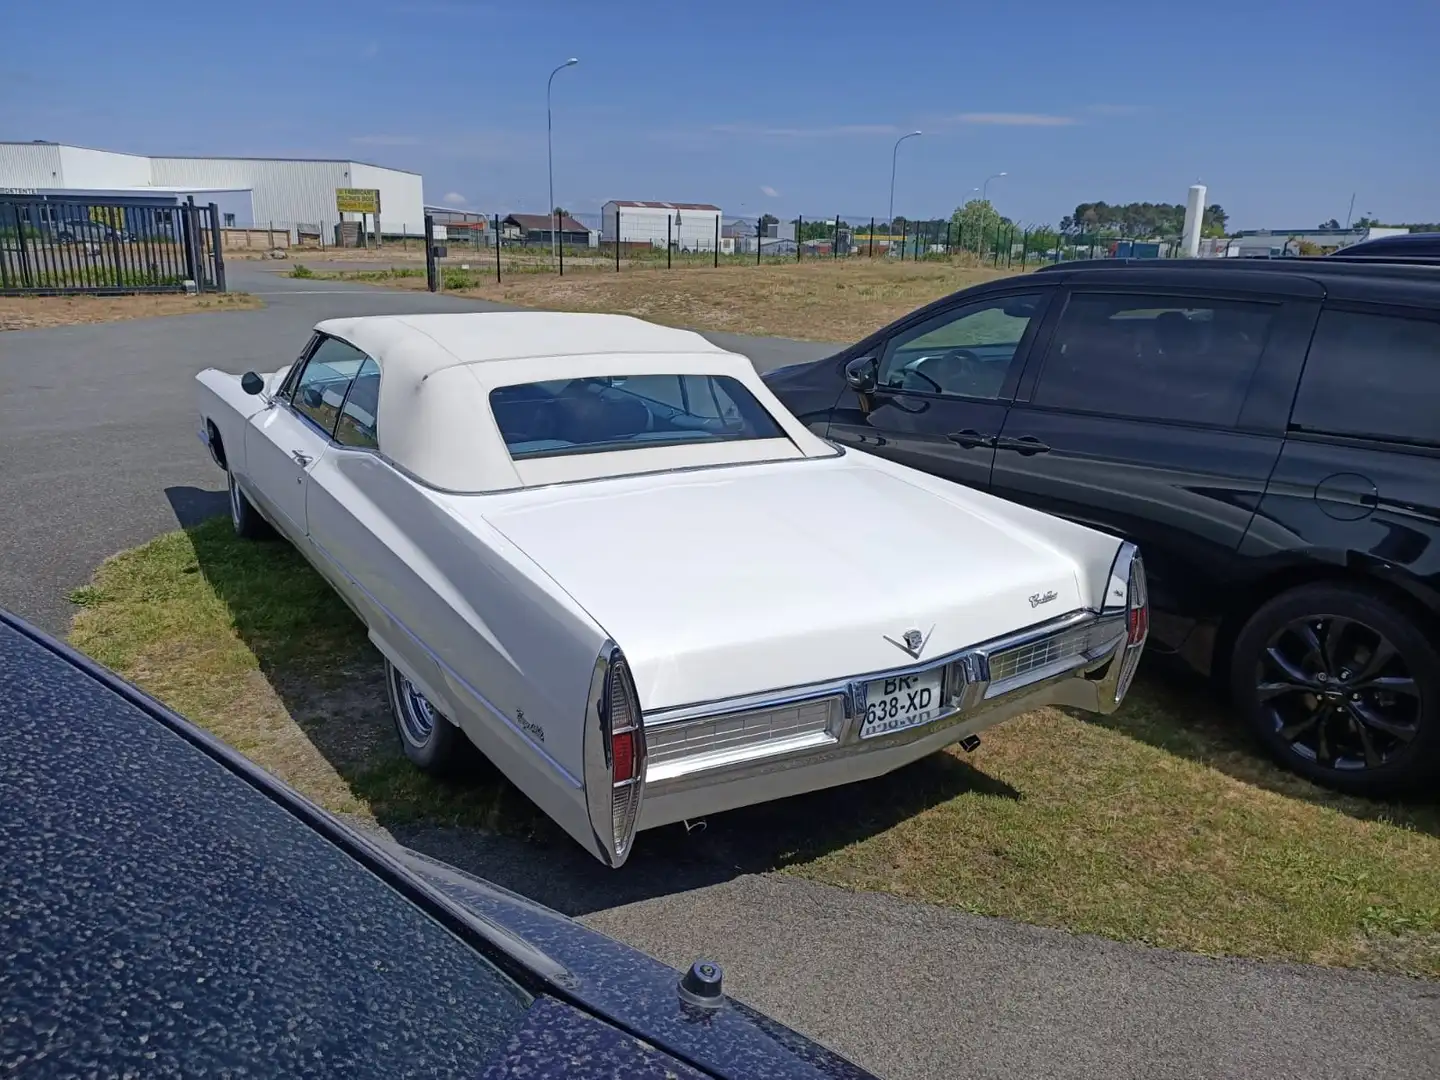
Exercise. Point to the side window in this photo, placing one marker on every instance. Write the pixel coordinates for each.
(1155, 357)
(1372, 375)
(320, 390)
(965, 352)
(357, 418)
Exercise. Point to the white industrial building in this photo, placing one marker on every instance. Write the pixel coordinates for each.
(689, 226)
(248, 192)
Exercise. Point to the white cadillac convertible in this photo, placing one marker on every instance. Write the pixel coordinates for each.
(603, 553)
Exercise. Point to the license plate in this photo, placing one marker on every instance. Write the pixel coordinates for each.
(901, 702)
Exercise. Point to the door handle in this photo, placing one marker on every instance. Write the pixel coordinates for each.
(1025, 444)
(301, 458)
(970, 439)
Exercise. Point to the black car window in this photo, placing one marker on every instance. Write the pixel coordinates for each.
(586, 415)
(357, 419)
(1155, 357)
(963, 352)
(320, 390)
(1372, 375)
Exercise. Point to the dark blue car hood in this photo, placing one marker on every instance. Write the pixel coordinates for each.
(636, 992)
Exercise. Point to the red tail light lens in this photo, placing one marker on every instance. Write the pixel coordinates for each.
(625, 753)
(622, 752)
(1137, 613)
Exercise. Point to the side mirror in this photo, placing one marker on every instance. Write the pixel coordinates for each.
(251, 383)
(862, 375)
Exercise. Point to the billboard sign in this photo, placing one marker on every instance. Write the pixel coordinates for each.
(357, 200)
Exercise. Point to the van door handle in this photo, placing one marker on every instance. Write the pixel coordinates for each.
(970, 439)
(301, 458)
(1025, 444)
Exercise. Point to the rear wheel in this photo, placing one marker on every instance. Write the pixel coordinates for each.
(1343, 687)
(431, 742)
(244, 517)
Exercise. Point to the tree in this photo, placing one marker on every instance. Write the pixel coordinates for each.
(1141, 219)
(560, 211)
(975, 224)
(1367, 222)
(768, 219)
(1333, 223)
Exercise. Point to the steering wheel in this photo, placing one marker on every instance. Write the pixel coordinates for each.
(956, 363)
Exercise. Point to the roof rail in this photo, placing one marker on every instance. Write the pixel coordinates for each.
(1423, 269)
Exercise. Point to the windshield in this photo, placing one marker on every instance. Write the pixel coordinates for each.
(616, 412)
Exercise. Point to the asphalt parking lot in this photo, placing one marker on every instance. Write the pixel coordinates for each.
(98, 453)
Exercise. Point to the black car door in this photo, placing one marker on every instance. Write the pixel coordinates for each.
(942, 386)
(1149, 419)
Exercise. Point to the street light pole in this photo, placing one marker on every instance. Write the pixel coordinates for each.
(894, 157)
(550, 150)
(984, 196)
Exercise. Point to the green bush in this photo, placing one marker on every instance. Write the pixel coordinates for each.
(302, 271)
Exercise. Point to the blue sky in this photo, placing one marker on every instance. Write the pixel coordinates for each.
(1282, 108)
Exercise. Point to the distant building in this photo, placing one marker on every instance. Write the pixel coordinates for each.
(248, 192)
(1273, 243)
(689, 226)
(535, 229)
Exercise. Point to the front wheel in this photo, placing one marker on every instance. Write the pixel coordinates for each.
(431, 742)
(1343, 687)
(245, 519)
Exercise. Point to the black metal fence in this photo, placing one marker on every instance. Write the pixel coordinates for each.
(50, 246)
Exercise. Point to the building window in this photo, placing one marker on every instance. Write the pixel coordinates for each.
(229, 221)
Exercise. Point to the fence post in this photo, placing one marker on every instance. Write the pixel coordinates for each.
(669, 238)
(948, 224)
(559, 239)
(759, 237)
(219, 255)
(405, 237)
(25, 278)
(835, 240)
(431, 276)
(799, 233)
(904, 235)
(617, 239)
(872, 239)
(497, 249)
(717, 241)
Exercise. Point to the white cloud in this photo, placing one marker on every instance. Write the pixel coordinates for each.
(1011, 119)
(453, 198)
(766, 189)
(386, 140)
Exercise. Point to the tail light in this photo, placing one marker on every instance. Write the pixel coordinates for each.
(614, 756)
(625, 753)
(1137, 624)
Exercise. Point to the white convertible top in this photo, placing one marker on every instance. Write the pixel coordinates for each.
(436, 372)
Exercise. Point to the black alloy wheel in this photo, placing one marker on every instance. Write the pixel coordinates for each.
(1342, 687)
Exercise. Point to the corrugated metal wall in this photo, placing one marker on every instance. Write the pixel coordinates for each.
(95, 169)
(29, 165)
(284, 191)
(402, 196)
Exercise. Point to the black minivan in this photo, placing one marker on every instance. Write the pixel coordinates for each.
(1267, 431)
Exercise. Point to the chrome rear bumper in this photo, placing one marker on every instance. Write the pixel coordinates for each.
(771, 747)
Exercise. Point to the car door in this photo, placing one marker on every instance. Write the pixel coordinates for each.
(1138, 425)
(284, 441)
(941, 387)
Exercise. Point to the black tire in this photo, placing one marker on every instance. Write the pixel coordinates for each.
(248, 523)
(1343, 687)
(431, 742)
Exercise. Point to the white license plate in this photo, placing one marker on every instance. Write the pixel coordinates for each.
(901, 702)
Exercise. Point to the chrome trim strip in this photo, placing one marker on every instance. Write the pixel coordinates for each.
(598, 796)
(792, 695)
(489, 706)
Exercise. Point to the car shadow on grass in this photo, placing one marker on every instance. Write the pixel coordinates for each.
(315, 658)
(1173, 708)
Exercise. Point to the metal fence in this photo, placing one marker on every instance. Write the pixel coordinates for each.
(50, 246)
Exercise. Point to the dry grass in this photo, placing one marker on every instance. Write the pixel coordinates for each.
(1159, 824)
(41, 312)
(818, 300)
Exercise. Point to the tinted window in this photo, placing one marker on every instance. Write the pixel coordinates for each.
(570, 416)
(965, 352)
(357, 418)
(1376, 375)
(320, 391)
(1155, 357)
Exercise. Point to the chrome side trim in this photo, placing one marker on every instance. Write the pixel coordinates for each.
(484, 702)
(594, 760)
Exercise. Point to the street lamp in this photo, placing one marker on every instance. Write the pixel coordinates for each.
(894, 155)
(984, 196)
(550, 150)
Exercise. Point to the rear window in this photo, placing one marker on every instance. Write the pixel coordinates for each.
(591, 415)
(1374, 376)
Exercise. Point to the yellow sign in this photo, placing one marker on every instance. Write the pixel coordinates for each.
(354, 200)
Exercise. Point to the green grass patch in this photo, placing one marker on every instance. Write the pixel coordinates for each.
(1160, 824)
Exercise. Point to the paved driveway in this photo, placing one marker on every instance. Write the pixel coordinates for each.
(96, 423)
